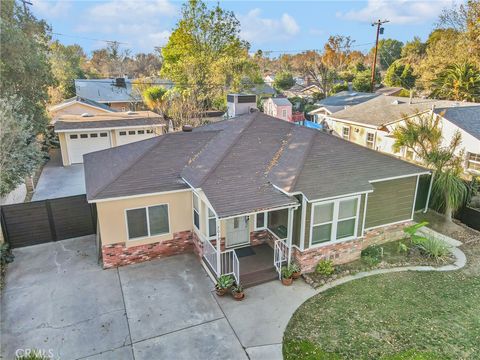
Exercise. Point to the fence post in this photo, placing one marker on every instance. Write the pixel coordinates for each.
(51, 221)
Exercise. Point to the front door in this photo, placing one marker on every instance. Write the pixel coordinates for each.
(237, 231)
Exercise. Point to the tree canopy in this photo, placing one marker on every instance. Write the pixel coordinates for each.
(283, 80)
(400, 74)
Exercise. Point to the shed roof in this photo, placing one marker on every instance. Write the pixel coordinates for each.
(281, 101)
(246, 164)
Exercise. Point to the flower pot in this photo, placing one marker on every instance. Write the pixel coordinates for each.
(287, 281)
(296, 275)
(220, 292)
(239, 296)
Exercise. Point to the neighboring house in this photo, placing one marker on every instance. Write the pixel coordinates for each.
(389, 91)
(303, 91)
(269, 80)
(119, 93)
(78, 106)
(247, 195)
(280, 108)
(338, 102)
(82, 134)
(262, 91)
(371, 123)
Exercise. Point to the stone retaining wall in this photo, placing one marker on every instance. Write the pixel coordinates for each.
(344, 252)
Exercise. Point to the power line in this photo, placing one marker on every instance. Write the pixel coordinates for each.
(92, 39)
(378, 23)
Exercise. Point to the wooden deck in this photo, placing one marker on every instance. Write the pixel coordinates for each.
(257, 268)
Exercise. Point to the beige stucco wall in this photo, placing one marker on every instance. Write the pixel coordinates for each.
(76, 109)
(64, 149)
(358, 134)
(112, 220)
(121, 106)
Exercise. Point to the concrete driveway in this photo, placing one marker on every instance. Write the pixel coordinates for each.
(58, 181)
(58, 298)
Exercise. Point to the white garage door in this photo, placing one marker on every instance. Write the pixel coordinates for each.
(129, 136)
(86, 142)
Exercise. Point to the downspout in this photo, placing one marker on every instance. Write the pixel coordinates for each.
(289, 235)
(429, 193)
(219, 247)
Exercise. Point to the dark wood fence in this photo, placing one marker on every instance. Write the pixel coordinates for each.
(49, 220)
(469, 216)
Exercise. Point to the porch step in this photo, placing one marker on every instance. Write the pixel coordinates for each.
(258, 277)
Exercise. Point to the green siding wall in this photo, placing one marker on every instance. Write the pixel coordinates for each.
(391, 201)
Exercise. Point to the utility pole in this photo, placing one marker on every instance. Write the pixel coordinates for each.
(25, 2)
(378, 23)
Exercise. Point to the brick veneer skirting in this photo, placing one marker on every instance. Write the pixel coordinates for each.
(118, 254)
(347, 251)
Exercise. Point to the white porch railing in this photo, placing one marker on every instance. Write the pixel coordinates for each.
(210, 255)
(230, 264)
(280, 251)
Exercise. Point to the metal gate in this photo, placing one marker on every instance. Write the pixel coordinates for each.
(38, 222)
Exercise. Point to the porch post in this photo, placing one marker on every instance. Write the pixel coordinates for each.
(219, 247)
(289, 234)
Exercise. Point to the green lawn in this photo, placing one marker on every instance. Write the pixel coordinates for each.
(410, 315)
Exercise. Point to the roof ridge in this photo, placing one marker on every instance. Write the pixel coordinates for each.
(162, 137)
(307, 152)
(212, 169)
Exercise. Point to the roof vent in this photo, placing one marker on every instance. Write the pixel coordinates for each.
(86, 115)
(396, 102)
(354, 94)
(187, 128)
(130, 112)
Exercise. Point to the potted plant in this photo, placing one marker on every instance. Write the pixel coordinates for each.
(224, 283)
(287, 273)
(237, 292)
(296, 271)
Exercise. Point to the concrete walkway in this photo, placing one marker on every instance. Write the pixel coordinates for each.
(260, 320)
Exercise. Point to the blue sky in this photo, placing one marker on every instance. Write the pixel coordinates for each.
(281, 26)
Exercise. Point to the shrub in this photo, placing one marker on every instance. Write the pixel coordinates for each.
(6, 255)
(402, 247)
(325, 267)
(287, 271)
(372, 255)
(434, 248)
(411, 231)
(224, 282)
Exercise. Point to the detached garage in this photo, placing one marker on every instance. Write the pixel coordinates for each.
(83, 134)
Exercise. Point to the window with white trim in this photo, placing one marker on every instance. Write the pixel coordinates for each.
(211, 224)
(261, 221)
(334, 220)
(370, 140)
(346, 132)
(284, 113)
(473, 162)
(196, 211)
(148, 221)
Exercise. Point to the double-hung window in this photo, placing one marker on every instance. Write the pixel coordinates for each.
(473, 162)
(147, 221)
(370, 140)
(212, 224)
(261, 221)
(346, 132)
(196, 211)
(335, 220)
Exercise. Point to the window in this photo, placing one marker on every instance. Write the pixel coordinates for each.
(131, 132)
(141, 132)
(277, 223)
(73, 136)
(284, 113)
(93, 135)
(148, 221)
(346, 132)
(409, 154)
(260, 221)
(103, 134)
(149, 131)
(196, 211)
(212, 224)
(83, 136)
(370, 140)
(123, 133)
(334, 221)
(473, 162)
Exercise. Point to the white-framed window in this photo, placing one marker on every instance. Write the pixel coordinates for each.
(334, 221)
(346, 132)
(147, 221)
(284, 113)
(261, 221)
(103, 134)
(211, 224)
(131, 132)
(74, 136)
(473, 162)
(196, 211)
(123, 133)
(370, 140)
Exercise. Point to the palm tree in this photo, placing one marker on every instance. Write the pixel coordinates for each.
(155, 99)
(459, 82)
(423, 136)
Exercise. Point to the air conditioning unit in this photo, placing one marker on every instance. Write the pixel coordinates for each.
(240, 104)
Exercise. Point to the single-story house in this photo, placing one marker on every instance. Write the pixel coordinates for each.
(81, 134)
(119, 94)
(247, 195)
(280, 108)
(371, 124)
(77, 106)
(303, 91)
(338, 102)
(262, 91)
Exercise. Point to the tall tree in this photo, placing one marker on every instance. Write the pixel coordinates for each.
(423, 136)
(312, 65)
(283, 80)
(336, 52)
(205, 55)
(458, 82)
(400, 74)
(413, 51)
(389, 50)
(24, 66)
(67, 62)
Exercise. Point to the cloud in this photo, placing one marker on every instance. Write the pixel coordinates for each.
(50, 8)
(316, 32)
(397, 11)
(143, 24)
(262, 30)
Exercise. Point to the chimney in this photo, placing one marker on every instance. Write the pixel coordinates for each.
(240, 104)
